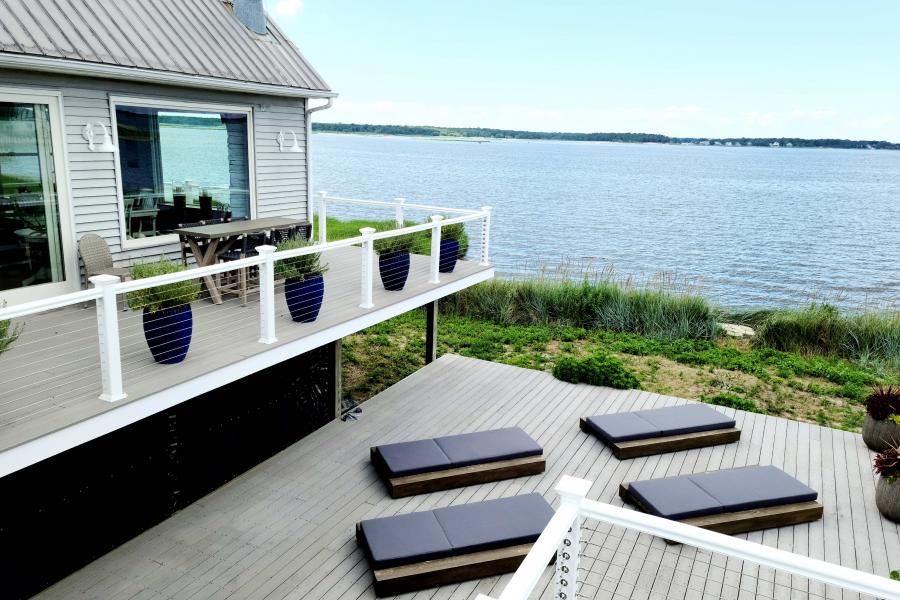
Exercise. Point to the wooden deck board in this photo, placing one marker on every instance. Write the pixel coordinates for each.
(285, 528)
(50, 378)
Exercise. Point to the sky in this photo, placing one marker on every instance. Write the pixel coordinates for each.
(761, 68)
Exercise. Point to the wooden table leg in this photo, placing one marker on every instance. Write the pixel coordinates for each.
(204, 259)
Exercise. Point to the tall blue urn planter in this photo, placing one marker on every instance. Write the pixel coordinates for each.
(168, 333)
(449, 256)
(304, 297)
(394, 269)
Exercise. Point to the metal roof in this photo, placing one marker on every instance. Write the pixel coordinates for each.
(199, 38)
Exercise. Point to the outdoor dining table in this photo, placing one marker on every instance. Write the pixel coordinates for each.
(209, 242)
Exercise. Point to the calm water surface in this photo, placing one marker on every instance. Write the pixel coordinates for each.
(752, 227)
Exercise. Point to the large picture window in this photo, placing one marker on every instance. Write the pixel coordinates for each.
(181, 166)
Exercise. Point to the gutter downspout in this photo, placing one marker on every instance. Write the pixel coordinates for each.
(309, 192)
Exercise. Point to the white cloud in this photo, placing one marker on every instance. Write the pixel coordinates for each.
(286, 8)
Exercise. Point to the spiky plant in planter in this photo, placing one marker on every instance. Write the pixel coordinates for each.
(454, 245)
(304, 281)
(393, 260)
(881, 429)
(8, 334)
(887, 493)
(168, 320)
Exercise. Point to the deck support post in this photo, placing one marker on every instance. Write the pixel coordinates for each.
(108, 333)
(267, 295)
(572, 492)
(322, 213)
(436, 248)
(399, 217)
(337, 376)
(431, 318)
(368, 253)
(486, 235)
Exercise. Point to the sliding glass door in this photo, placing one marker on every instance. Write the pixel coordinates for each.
(34, 250)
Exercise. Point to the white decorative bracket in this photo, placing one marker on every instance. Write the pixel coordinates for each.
(295, 147)
(89, 134)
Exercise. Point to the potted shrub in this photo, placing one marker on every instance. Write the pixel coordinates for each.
(887, 492)
(393, 260)
(881, 428)
(304, 284)
(8, 334)
(454, 244)
(168, 320)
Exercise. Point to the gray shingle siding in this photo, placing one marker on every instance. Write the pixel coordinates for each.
(280, 176)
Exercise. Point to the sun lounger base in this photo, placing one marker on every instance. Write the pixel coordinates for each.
(745, 520)
(445, 479)
(443, 571)
(670, 443)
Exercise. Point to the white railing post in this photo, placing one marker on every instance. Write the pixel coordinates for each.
(322, 213)
(399, 217)
(368, 253)
(486, 235)
(572, 491)
(436, 248)
(267, 295)
(108, 331)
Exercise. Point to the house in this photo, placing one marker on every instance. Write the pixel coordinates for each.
(126, 119)
(120, 108)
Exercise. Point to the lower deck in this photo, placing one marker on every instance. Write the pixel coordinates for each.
(285, 529)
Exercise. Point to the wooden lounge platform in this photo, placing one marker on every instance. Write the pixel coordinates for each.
(50, 379)
(669, 443)
(286, 529)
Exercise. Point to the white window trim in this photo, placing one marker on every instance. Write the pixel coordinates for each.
(169, 239)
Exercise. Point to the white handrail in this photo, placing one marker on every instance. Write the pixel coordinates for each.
(575, 506)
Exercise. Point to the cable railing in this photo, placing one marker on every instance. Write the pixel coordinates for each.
(562, 541)
(123, 355)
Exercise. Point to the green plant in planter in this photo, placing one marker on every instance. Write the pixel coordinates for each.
(161, 297)
(396, 244)
(8, 334)
(456, 232)
(299, 267)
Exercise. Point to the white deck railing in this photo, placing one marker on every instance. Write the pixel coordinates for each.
(107, 288)
(561, 537)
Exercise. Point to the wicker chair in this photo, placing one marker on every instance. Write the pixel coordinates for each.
(247, 279)
(183, 241)
(98, 260)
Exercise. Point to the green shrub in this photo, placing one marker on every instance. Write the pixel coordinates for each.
(821, 329)
(895, 575)
(161, 297)
(299, 267)
(590, 305)
(731, 401)
(397, 243)
(600, 369)
(8, 334)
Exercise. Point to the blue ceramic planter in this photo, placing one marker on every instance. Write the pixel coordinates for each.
(394, 269)
(304, 297)
(449, 256)
(168, 333)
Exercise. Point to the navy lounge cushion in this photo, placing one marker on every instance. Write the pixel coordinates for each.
(711, 493)
(658, 422)
(423, 456)
(488, 446)
(455, 530)
(689, 418)
(494, 523)
(410, 458)
(753, 487)
(404, 539)
(674, 498)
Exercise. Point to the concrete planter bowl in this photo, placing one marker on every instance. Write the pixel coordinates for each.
(880, 435)
(887, 498)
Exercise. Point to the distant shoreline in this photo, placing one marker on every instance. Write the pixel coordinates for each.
(478, 134)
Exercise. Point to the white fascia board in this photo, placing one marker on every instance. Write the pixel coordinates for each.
(38, 449)
(63, 66)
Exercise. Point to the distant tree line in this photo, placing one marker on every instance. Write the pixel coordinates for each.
(638, 138)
